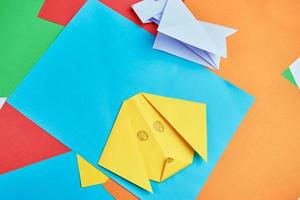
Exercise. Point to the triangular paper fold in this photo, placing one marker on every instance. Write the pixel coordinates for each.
(89, 175)
(295, 70)
(188, 118)
(289, 76)
(292, 73)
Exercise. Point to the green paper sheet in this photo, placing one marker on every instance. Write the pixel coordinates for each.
(289, 76)
(23, 39)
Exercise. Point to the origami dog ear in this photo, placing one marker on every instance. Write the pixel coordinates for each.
(186, 117)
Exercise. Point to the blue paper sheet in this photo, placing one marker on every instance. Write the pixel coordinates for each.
(100, 59)
(55, 178)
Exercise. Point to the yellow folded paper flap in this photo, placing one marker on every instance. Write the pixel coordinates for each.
(187, 117)
(171, 167)
(89, 175)
(122, 155)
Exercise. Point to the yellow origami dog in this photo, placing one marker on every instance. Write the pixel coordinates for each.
(154, 137)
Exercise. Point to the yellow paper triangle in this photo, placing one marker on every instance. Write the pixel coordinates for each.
(122, 155)
(171, 167)
(89, 175)
(187, 117)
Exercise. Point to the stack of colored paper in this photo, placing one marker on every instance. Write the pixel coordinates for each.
(115, 100)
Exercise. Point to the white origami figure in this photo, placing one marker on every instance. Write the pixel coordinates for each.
(181, 34)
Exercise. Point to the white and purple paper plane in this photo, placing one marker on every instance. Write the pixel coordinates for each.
(181, 34)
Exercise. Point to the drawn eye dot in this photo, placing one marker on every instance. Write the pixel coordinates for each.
(158, 126)
(169, 160)
(142, 135)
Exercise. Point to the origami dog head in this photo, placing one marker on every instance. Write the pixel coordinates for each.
(154, 137)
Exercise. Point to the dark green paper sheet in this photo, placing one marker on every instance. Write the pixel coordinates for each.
(23, 39)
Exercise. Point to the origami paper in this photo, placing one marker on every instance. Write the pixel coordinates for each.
(23, 38)
(23, 142)
(117, 191)
(89, 175)
(87, 99)
(292, 73)
(150, 10)
(55, 178)
(60, 12)
(20, 51)
(2, 101)
(245, 16)
(181, 34)
(154, 137)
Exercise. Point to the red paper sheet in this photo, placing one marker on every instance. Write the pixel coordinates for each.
(22, 142)
(60, 11)
(123, 7)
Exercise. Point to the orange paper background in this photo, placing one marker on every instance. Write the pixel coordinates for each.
(263, 160)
